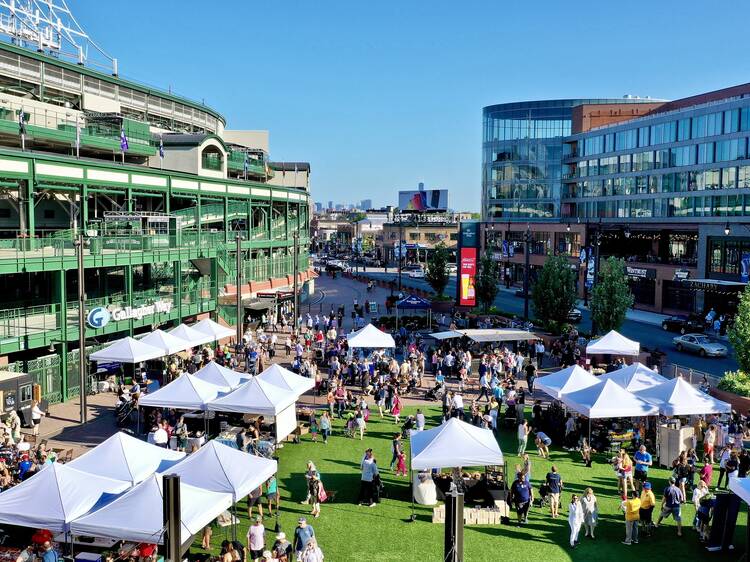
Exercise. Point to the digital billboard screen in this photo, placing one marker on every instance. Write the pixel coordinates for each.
(418, 201)
(467, 273)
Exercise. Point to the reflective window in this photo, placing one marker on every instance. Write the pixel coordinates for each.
(731, 121)
(683, 129)
(706, 153)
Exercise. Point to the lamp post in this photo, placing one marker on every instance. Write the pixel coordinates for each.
(239, 287)
(81, 327)
(400, 250)
(527, 240)
(597, 243)
(296, 280)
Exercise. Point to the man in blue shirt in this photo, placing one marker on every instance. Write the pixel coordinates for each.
(49, 553)
(671, 504)
(302, 535)
(643, 461)
(521, 495)
(554, 484)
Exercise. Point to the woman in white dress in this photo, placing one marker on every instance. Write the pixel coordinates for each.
(575, 519)
(590, 512)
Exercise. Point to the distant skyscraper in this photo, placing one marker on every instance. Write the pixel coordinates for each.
(339, 207)
(366, 204)
(318, 207)
(330, 205)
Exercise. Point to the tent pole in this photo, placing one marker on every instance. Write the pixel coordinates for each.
(413, 516)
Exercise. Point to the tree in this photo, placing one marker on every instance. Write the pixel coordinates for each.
(436, 273)
(485, 283)
(611, 296)
(739, 333)
(554, 292)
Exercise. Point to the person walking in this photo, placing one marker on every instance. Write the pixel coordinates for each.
(316, 489)
(256, 539)
(303, 534)
(671, 504)
(530, 377)
(325, 426)
(555, 486)
(643, 461)
(590, 512)
(396, 448)
(575, 519)
(648, 502)
(523, 436)
(367, 482)
(631, 507)
(521, 496)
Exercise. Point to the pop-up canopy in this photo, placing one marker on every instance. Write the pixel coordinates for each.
(55, 496)
(220, 376)
(214, 329)
(192, 336)
(634, 377)
(485, 335)
(127, 350)
(219, 468)
(613, 343)
(256, 396)
(413, 302)
(370, 337)
(165, 341)
(454, 443)
(284, 378)
(123, 457)
(741, 487)
(677, 397)
(569, 379)
(608, 400)
(186, 392)
(138, 515)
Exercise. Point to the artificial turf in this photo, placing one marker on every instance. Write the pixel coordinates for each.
(347, 531)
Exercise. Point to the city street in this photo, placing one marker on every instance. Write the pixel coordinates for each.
(644, 327)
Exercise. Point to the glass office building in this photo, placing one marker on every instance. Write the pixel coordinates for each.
(522, 152)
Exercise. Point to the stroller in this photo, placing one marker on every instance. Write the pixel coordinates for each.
(543, 499)
(350, 429)
(436, 393)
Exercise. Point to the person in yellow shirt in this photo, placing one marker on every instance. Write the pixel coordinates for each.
(648, 502)
(631, 507)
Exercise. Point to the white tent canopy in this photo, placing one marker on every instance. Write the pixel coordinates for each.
(256, 396)
(613, 343)
(284, 378)
(677, 397)
(220, 376)
(138, 515)
(165, 341)
(568, 379)
(634, 377)
(370, 337)
(186, 392)
(214, 329)
(55, 496)
(608, 400)
(219, 468)
(741, 487)
(452, 444)
(447, 335)
(192, 336)
(123, 457)
(127, 350)
(484, 335)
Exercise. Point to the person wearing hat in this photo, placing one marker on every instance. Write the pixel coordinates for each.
(671, 504)
(648, 501)
(302, 535)
(282, 548)
(256, 539)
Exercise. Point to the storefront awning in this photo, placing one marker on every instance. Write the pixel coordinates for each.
(714, 284)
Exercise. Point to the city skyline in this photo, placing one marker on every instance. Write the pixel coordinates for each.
(377, 92)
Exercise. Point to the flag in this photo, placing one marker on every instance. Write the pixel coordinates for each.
(161, 147)
(21, 122)
(123, 140)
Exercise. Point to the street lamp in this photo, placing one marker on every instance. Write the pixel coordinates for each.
(727, 230)
(81, 326)
(527, 240)
(626, 232)
(597, 243)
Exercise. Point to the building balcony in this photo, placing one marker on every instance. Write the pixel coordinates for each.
(255, 166)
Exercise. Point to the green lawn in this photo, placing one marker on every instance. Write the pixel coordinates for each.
(347, 531)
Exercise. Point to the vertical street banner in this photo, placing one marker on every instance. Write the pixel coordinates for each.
(590, 267)
(468, 273)
(745, 267)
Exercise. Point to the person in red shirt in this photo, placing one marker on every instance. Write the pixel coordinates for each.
(707, 472)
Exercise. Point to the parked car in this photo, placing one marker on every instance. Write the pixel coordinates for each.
(700, 344)
(416, 273)
(683, 324)
(411, 267)
(575, 315)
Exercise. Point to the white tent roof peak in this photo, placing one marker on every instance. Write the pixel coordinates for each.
(214, 329)
(127, 350)
(186, 392)
(370, 337)
(220, 376)
(255, 397)
(452, 444)
(286, 379)
(165, 341)
(677, 397)
(568, 379)
(613, 343)
(123, 457)
(192, 336)
(634, 377)
(608, 400)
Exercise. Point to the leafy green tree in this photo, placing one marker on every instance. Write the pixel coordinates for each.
(611, 296)
(435, 272)
(554, 292)
(739, 333)
(486, 281)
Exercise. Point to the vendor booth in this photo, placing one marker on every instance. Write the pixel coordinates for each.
(607, 400)
(613, 343)
(634, 377)
(220, 376)
(192, 336)
(414, 302)
(284, 378)
(127, 350)
(370, 337)
(138, 515)
(122, 457)
(677, 397)
(186, 392)
(165, 341)
(569, 379)
(214, 329)
(491, 335)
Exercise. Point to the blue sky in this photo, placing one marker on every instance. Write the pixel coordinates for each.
(378, 96)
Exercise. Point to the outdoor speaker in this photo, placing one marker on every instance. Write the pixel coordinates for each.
(454, 527)
(723, 522)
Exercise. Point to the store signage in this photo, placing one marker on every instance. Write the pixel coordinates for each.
(98, 317)
(745, 267)
(469, 237)
(681, 275)
(640, 272)
(467, 294)
(137, 312)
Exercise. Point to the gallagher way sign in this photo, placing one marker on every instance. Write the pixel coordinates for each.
(100, 316)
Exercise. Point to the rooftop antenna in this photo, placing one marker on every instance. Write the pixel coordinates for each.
(48, 26)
